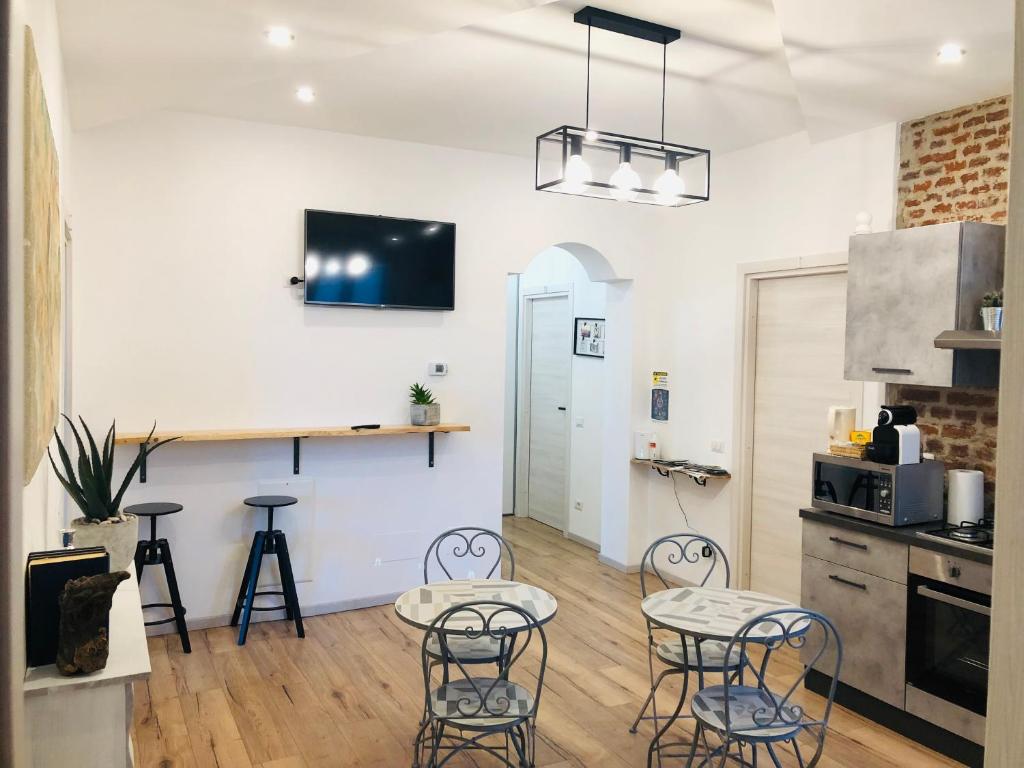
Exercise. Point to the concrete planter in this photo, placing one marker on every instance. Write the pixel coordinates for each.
(425, 415)
(118, 534)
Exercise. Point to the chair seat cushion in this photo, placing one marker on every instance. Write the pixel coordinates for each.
(481, 702)
(469, 650)
(712, 654)
(752, 714)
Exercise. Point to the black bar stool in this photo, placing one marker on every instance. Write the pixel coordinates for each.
(156, 551)
(268, 542)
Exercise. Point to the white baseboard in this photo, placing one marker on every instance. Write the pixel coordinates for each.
(605, 560)
(585, 542)
(224, 620)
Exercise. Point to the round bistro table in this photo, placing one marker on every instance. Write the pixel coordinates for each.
(421, 605)
(708, 613)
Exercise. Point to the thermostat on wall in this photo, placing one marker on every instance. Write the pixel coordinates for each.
(437, 369)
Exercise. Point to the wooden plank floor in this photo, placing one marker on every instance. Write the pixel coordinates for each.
(350, 693)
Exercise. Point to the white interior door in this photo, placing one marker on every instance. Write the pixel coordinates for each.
(798, 374)
(550, 364)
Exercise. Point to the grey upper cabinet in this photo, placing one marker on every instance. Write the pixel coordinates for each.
(908, 286)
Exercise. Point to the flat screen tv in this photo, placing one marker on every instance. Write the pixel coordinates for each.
(375, 261)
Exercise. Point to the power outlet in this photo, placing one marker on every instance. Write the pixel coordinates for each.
(718, 446)
(578, 505)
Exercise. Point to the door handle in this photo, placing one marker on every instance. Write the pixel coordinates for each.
(845, 543)
(898, 371)
(841, 580)
(958, 602)
(561, 407)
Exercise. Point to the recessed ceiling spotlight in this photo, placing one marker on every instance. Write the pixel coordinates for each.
(950, 53)
(281, 37)
(305, 94)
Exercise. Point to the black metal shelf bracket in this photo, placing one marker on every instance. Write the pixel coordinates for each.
(430, 449)
(295, 455)
(142, 461)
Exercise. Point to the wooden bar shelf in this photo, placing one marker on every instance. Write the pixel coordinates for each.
(295, 434)
(699, 477)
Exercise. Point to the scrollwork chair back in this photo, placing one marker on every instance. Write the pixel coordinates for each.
(479, 547)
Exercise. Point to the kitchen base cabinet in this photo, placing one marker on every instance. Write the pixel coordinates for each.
(870, 614)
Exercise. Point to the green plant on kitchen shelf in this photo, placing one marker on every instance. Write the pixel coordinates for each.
(992, 299)
(420, 395)
(93, 487)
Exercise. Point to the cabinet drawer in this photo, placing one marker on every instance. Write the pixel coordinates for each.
(860, 551)
(870, 615)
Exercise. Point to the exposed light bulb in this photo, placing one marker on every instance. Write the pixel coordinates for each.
(951, 53)
(625, 182)
(590, 135)
(305, 94)
(358, 264)
(280, 37)
(577, 174)
(670, 187)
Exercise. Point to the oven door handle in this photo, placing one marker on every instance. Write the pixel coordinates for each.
(942, 597)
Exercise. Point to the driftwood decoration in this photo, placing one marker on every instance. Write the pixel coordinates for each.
(84, 609)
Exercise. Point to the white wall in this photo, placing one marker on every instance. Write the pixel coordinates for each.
(30, 512)
(187, 228)
(552, 269)
(783, 199)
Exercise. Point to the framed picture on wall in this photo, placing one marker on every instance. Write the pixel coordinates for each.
(589, 338)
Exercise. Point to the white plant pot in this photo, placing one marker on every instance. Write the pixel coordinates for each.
(425, 415)
(992, 318)
(119, 535)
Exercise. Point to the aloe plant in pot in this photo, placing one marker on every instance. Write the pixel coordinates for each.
(92, 489)
(424, 411)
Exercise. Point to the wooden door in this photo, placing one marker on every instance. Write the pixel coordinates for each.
(798, 374)
(550, 336)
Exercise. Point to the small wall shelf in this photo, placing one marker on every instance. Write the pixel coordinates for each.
(294, 433)
(699, 477)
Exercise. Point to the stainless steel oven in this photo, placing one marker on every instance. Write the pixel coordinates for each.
(890, 494)
(949, 610)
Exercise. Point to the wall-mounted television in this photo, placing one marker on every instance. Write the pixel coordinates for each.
(375, 261)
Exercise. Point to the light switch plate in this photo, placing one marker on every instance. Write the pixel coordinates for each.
(437, 369)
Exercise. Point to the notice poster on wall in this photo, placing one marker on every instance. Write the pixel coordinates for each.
(659, 395)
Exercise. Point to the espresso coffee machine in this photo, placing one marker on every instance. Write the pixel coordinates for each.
(896, 439)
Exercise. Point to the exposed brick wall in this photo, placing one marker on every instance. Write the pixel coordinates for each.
(955, 166)
(958, 426)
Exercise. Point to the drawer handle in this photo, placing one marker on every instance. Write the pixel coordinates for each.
(900, 371)
(846, 543)
(848, 583)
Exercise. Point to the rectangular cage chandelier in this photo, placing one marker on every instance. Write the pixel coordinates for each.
(574, 160)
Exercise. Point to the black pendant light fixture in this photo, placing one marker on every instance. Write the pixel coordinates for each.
(582, 161)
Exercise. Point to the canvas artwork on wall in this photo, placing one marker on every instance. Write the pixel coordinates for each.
(42, 269)
(589, 337)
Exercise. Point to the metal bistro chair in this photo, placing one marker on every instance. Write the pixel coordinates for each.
(465, 711)
(679, 548)
(744, 711)
(477, 546)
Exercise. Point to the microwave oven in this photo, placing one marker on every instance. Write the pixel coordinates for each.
(890, 494)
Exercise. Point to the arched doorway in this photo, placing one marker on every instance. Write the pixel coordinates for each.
(569, 468)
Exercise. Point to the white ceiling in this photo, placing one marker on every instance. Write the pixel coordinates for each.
(492, 74)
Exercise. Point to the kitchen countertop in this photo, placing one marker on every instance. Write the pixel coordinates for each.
(906, 534)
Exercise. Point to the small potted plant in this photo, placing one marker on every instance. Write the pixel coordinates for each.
(102, 523)
(424, 411)
(992, 311)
